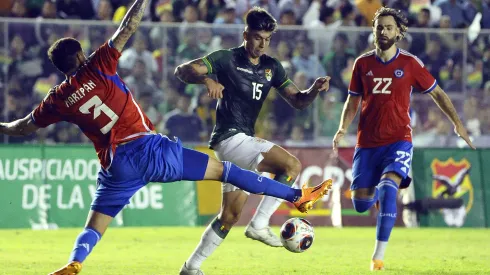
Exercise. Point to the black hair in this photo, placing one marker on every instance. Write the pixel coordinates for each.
(258, 19)
(63, 54)
(325, 12)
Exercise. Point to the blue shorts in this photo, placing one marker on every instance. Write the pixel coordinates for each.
(371, 163)
(152, 158)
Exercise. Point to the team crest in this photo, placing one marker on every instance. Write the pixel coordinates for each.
(268, 74)
(451, 179)
(399, 73)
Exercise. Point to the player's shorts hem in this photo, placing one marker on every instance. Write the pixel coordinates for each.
(244, 151)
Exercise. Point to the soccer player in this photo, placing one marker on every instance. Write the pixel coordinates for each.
(245, 76)
(383, 80)
(95, 99)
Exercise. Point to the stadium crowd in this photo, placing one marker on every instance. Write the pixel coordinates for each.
(311, 42)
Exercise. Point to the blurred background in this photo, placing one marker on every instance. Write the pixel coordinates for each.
(315, 38)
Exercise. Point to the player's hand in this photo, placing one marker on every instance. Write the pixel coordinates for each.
(462, 133)
(322, 83)
(336, 139)
(215, 90)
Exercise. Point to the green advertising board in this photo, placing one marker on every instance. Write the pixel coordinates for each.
(53, 186)
(450, 173)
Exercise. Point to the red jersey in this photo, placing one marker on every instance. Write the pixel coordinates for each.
(96, 99)
(386, 88)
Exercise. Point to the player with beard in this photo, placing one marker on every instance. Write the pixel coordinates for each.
(383, 80)
(245, 76)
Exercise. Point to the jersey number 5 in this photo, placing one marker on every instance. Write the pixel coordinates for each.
(257, 92)
(379, 81)
(100, 108)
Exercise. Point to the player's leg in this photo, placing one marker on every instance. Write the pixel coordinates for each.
(216, 232)
(365, 177)
(114, 189)
(396, 164)
(286, 168)
(233, 200)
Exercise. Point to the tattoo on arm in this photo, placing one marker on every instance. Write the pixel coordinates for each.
(193, 72)
(129, 24)
(298, 99)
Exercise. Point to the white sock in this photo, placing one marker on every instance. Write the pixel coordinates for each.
(209, 242)
(379, 250)
(266, 208)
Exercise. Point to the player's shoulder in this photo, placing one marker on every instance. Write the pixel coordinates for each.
(365, 57)
(407, 56)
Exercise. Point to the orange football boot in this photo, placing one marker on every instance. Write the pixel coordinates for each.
(310, 195)
(377, 265)
(69, 269)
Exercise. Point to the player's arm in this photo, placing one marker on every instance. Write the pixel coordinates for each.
(129, 24)
(193, 72)
(197, 71)
(300, 99)
(445, 104)
(348, 113)
(21, 127)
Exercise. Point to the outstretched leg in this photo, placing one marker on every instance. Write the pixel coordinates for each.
(97, 223)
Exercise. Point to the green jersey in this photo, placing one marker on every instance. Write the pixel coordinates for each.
(245, 88)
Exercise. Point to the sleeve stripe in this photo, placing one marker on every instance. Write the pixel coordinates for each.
(431, 88)
(110, 43)
(354, 93)
(32, 117)
(285, 84)
(208, 65)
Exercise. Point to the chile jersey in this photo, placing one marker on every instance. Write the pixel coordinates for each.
(386, 88)
(96, 99)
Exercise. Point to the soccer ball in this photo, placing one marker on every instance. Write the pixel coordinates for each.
(297, 235)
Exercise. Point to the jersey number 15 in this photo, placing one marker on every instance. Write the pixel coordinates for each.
(257, 92)
(100, 108)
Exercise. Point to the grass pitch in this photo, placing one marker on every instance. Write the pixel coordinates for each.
(335, 251)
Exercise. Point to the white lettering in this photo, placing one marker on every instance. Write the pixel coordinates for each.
(76, 197)
(44, 196)
(27, 190)
(80, 169)
(91, 84)
(35, 167)
(156, 196)
(59, 198)
(24, 170)
(67, 170)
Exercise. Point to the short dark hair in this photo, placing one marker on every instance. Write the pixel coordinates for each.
(400, 19)
(258, 19)
(425, 10)
(63, 54)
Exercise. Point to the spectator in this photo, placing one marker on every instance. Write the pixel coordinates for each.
(451, 41)
(461, 12)
(434, 58)
(76, 9)
(470, 114)
(139, 49)
(298, 7)
(485, 20)
(420, 38)
(183, 123)
(304, 60)
(139, 82)
(455, 83)
(191, 17)
(190, 47)
(105, 11)
(210, 9)
(337, 60)
(226, 17)
(328, 115)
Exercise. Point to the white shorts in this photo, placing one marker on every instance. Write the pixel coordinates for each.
(243, 151)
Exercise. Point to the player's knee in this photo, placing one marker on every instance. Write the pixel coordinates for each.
(363, 199)
(362, 205)
(293, 167)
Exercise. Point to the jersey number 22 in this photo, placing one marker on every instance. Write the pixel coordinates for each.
(382, 85)
(100, 108)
